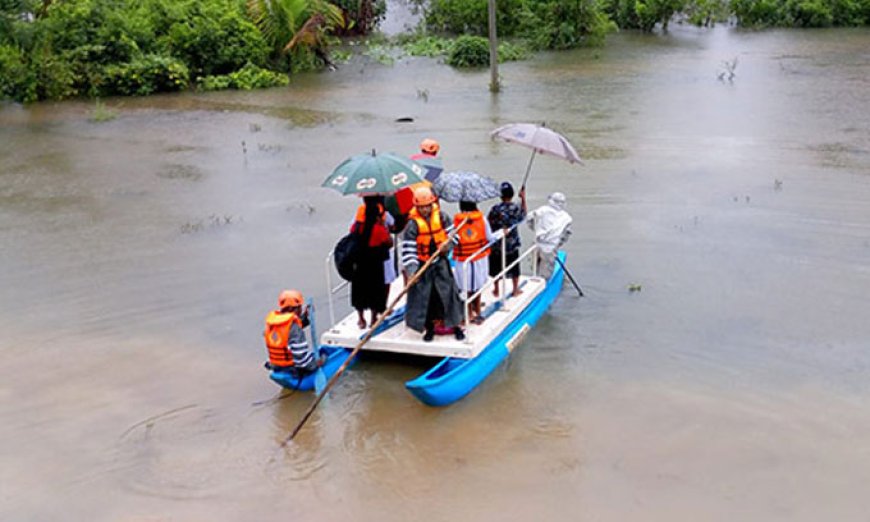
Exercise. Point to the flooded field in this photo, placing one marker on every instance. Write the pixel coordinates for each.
(139, 255)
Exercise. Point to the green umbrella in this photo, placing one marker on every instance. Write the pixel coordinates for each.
(374, 173)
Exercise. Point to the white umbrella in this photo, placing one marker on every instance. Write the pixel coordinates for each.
(538, 138)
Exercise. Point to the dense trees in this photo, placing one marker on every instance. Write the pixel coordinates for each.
(66, 48)
(56, 49)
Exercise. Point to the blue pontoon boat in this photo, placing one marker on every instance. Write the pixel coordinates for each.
(462, 365)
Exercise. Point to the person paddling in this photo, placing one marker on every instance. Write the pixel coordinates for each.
(552, 227)
(288, 348)
(435, 296)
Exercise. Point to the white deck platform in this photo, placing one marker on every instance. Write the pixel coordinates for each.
(401, 339)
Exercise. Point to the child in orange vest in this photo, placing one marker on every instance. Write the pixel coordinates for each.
(471, 254)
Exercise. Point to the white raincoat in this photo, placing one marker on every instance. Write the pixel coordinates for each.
(552, 226)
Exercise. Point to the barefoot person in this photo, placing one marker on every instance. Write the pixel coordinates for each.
(370, 285)
(501, 217)
(472, 268)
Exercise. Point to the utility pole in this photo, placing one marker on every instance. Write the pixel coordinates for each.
(493, 50)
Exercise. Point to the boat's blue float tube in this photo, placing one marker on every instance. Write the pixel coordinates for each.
(452, 379)
(335, 357)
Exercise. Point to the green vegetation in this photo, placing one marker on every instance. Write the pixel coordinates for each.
(557, 24)
(802, 13)
(543, 24)
(57, 49)
(248, 77)
(469, 51)
(464, 51)
(101, 113)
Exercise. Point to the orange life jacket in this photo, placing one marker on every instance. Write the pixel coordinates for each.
(277, 333)
(472, 236)
(361, 212)
(426, 233)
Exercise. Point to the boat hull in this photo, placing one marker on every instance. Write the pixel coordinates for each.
(453, 378)
(335, 357)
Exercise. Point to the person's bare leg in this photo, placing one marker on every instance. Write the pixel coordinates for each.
(362, 320)
(517, 290)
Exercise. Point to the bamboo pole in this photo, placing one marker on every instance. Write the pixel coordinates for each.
(416, 277)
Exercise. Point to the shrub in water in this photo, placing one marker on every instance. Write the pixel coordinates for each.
(145, 75)
(469, 51)
(248, 77)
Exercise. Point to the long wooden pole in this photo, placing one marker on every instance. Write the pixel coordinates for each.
(443, 248)
(571, 277)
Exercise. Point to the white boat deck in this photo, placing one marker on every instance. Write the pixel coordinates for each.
(401, 339)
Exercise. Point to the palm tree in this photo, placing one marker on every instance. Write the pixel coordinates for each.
(292, 26)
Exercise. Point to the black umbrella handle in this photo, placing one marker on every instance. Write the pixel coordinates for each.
(528, 169)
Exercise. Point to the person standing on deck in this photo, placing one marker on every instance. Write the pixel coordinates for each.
(471, 272)
(285, 336)
(370, 284)
(435, 295)
(552, 226)
(503, 216)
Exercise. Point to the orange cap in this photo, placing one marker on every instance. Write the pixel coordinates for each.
(290, 298)
(423, 196)
(430, 146)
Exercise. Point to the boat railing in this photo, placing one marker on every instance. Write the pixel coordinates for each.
(500, 278)
(329, 263)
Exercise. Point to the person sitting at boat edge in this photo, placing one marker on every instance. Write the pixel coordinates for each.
(285, 336)
(435, 295)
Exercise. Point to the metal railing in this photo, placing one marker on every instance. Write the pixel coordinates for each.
(490, 282)
(500, 278)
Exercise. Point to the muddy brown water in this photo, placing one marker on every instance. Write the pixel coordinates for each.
(139, 255)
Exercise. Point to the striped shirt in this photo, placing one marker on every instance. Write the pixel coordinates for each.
(303, 356)
(410, 261)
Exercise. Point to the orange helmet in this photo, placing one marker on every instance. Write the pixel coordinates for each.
(423, 196)
(430, 146)
(290, 298)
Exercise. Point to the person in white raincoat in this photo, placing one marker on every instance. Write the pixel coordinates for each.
(552, 226)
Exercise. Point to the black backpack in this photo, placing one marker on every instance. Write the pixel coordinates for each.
(346, 255)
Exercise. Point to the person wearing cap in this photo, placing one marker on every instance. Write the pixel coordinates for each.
(552, 226)
(288, 348)
(428, 158)
(435, 296)
(505, 216)
(428, 150)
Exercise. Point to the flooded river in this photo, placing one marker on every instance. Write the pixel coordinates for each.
(139, 255)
